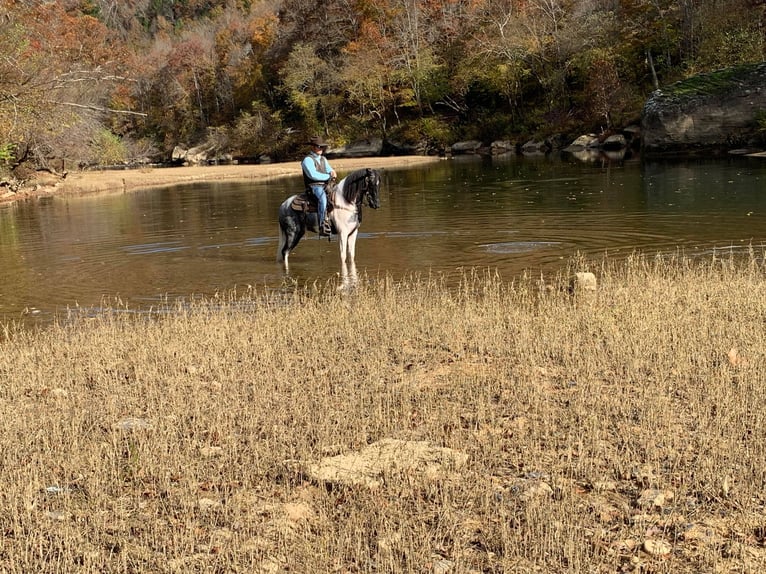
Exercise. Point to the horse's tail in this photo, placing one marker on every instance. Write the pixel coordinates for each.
(282, 243)
(283, 238)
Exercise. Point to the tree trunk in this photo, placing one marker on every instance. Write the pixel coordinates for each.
(650, 60)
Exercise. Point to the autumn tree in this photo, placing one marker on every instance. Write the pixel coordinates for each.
(57, 74)
(85, 79)
(366, 77)
(497, 52)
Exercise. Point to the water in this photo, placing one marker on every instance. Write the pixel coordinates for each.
(512, 215)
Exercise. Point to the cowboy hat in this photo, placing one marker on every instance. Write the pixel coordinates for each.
(317, 141)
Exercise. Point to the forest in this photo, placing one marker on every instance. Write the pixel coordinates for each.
(88, 83)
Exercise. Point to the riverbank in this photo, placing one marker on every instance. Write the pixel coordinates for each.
(118, 181)
(497, 428)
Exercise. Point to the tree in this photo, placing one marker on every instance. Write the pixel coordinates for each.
(366, 79)
(56, 75)
(312, 87)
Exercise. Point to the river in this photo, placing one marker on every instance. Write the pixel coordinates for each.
(512, 215)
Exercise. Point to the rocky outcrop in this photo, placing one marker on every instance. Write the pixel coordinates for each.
(466, 147)
(371, 147)
(717, 111)
(200, 155)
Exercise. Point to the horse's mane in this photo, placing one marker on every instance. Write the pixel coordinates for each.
(352, 187)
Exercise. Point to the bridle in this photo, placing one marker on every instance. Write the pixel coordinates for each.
(360, 191)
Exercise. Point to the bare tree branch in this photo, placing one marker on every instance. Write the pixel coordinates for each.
(97, 108)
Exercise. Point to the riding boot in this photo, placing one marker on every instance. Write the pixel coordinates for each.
(325, 229)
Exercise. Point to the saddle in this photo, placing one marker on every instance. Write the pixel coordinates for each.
(307, 202)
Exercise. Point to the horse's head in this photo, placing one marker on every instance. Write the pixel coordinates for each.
(372, 188)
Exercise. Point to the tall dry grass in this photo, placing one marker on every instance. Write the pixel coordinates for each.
(614, 431)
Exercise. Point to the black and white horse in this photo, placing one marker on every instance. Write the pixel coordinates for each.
(345, 217)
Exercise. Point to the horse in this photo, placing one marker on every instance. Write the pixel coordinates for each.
(296, 216)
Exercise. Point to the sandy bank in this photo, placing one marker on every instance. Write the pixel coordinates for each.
(88, 182)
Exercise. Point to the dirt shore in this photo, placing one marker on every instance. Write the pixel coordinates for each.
(111, 181)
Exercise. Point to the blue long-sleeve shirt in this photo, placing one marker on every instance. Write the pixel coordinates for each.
(310, 170)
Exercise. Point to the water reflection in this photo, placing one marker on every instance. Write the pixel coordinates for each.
(510, 214)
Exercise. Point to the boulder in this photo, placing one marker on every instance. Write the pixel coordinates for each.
(371, 147)
(393, 147)
(502, 146)
(466, 147)
(709, 112)
(199, 155)
(533, 147)
(583, 282)
(584, 142)
(614, 142)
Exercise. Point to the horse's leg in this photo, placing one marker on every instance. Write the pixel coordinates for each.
(352, 244)
(342, 244)
(349, 277)
(281, 255)
(292, 228)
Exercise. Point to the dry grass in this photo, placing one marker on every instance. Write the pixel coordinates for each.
(618, 431)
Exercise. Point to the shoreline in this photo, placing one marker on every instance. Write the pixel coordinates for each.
(81, 183)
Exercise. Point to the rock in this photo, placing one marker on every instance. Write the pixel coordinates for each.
(501, 147)
(656, 547)
(371, 147)
(528, 489)
(614, 142)
(199, 155)
(735, 359)
(702, 534)
(466, 147)
(707, 112)
(653, 497)
(609, 509)
(178, 155)
(10, 187)
(391, 147)
(533, 147)
(388, 457)
(583, 281)
(582, 143)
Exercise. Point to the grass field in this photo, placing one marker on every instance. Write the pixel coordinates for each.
(496, 426)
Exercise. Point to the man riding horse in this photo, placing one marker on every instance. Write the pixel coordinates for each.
(318, 174)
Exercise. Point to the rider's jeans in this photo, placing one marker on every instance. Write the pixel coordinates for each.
(319, 192)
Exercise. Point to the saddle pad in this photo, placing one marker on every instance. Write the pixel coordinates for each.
(304, 202)
(307, 202)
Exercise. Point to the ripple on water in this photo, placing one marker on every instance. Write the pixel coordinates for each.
(518, 246)
(147, 248)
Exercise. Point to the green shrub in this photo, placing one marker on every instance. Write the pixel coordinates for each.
(6, 153)
(434, 132)
(6, 158)
(107, 149)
